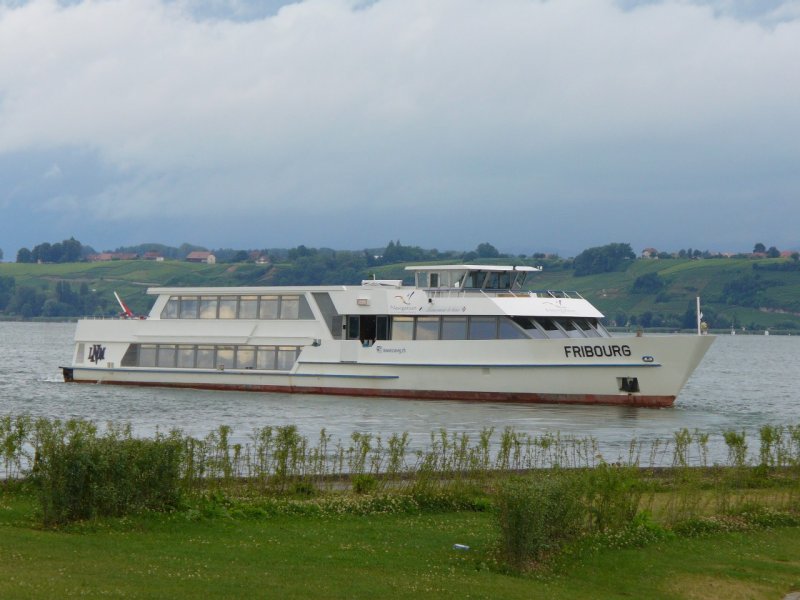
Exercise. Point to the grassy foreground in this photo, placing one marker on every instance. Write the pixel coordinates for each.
(380, 555)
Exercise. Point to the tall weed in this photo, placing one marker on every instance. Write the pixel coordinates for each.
(537, 516)
(80, 475)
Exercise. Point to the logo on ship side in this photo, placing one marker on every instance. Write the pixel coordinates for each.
(383, 350)
(97, 353)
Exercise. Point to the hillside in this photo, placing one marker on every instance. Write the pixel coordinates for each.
(740, 292)
(129, 278)
(733, 292)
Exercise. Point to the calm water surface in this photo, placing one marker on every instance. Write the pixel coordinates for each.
(744, 382)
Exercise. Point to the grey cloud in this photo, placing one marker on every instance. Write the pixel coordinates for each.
(480, 114)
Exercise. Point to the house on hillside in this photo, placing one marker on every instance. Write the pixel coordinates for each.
(258, 258)
(108, 256)
(153, 256)
(201, 257)
(649, 253)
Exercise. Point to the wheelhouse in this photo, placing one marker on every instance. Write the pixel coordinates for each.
(471, 277)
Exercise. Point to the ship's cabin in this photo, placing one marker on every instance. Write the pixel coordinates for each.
(471, 277)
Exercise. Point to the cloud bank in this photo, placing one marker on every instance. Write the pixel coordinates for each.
(404, 118)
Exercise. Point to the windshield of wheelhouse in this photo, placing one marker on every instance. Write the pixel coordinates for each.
(494, 280)
(439, 279)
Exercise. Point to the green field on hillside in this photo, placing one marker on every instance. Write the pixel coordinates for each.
(131, 278)
(761, 298)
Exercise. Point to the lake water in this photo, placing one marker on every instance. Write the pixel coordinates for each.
(744, 382)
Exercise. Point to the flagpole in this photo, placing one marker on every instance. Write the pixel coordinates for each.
(699, 316)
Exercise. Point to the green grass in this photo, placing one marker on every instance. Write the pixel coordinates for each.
(376, 556)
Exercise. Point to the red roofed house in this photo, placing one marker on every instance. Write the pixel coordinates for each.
(201, 257)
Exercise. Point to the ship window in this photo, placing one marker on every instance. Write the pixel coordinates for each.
(147, 355)
(353, 329)
(382, 328)
(131, 357)
(566, 324)
(602, 331)
(586, 326)
(290, 307)
(569, 327)
(188, 307)
(529, 325)
(483, 328)
(509, 330)
(266, 358)
(227, 307)
(208, 307)
(268, 309)
(224, 357)
(171, 309)
(504, 280)
(475, 279)
(452, 278)
(248, 307)
(550, 328)
(286, 357)
(166, 356)
(454, 328)
(434, 280)
(402, 328)
(427, 328)
(245, 357)
(186, 357)
(205, 357)
(493, 281)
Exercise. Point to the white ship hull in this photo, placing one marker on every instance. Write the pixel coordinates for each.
(528, 371)
(596, 369)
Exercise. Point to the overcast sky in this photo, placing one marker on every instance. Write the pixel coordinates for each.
(536, 125)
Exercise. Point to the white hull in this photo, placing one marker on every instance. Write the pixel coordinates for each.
(433, 343)
(533, 371)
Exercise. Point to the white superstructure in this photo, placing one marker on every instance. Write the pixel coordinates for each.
(466, 332)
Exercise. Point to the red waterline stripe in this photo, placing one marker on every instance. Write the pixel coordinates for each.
(513, 397)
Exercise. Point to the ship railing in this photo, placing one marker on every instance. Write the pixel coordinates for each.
(110, 318)
(557, 294)
(446, 292)
(458, 293)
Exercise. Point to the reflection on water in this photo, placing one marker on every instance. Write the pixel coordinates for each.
(743, 383)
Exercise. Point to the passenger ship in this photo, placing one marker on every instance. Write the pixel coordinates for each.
(468, 332)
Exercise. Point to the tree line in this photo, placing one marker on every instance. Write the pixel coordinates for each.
(60, 300)
(304, 265)
(66, 251)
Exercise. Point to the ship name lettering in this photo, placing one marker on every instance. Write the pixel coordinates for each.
(609, 351)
